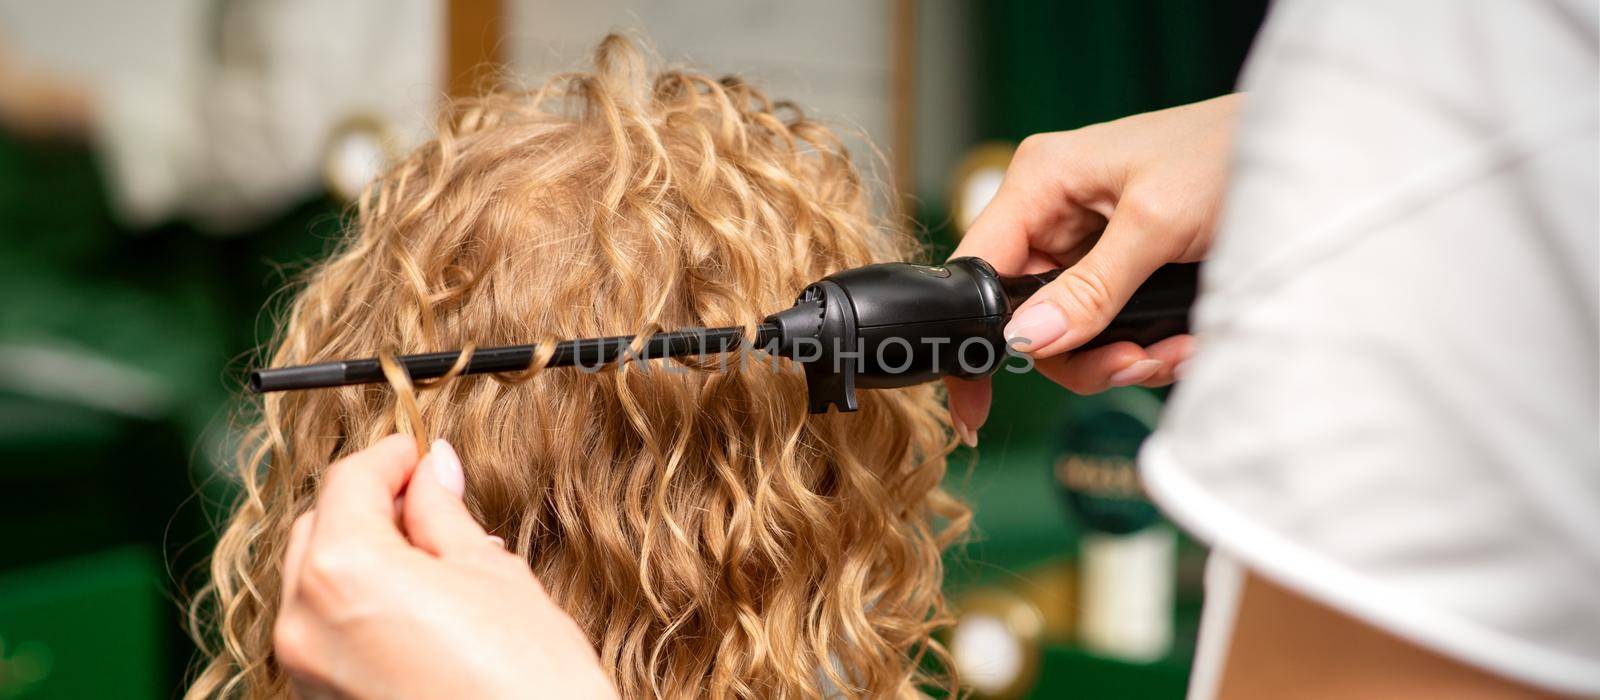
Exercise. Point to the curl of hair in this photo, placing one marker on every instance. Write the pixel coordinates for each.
(711, 537)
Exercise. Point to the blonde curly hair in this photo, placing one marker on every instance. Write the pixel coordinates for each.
(711, 537)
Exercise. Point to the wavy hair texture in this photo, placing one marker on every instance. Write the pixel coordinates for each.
(711, 537)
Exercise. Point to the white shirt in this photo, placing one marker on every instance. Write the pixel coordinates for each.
(1396, 403)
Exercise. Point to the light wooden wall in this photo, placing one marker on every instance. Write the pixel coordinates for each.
(475, 36)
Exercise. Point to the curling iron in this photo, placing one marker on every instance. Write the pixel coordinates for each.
(874, 327)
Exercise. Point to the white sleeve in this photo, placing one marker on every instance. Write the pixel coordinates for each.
(1396, 403)
(245, 134)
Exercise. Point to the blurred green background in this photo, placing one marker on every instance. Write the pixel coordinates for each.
(121, 344)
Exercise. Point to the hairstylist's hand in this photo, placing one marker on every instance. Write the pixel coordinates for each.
(439, 611)
(1153, 182)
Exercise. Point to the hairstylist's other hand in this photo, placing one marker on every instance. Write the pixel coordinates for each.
(440, 610)
(1153, 183)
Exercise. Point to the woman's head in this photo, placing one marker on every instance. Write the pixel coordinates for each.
(709, 535)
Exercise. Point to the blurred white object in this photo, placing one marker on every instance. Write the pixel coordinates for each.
(220, 111)
(988, 656)
(1127, 589)
(976, 180)
(997, 643)
(979, 190)
(1394, 411)
(55, 370)
(356, 153)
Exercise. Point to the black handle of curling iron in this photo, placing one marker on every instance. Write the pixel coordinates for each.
(1158, 309)
(883, 326)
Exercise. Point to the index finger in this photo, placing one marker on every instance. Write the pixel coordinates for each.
(998, 235)
(359, 491)
(1033, 219)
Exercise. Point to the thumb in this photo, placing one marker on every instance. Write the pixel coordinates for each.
(1076, 306)
(436, 520)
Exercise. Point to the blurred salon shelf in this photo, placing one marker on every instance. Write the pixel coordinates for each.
(1024, 542)
(119, 350)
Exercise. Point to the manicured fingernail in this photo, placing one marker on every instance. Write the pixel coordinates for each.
(497, 541)
(1036, 326)
(968, 436)
(446, 467)
(1136, 372)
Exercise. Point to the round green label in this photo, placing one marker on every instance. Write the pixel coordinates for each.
(1096, 471)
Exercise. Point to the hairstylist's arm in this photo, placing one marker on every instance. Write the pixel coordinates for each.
(440, 610)
(1153, 183)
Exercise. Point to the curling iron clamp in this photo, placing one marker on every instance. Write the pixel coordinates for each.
(874, 327)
